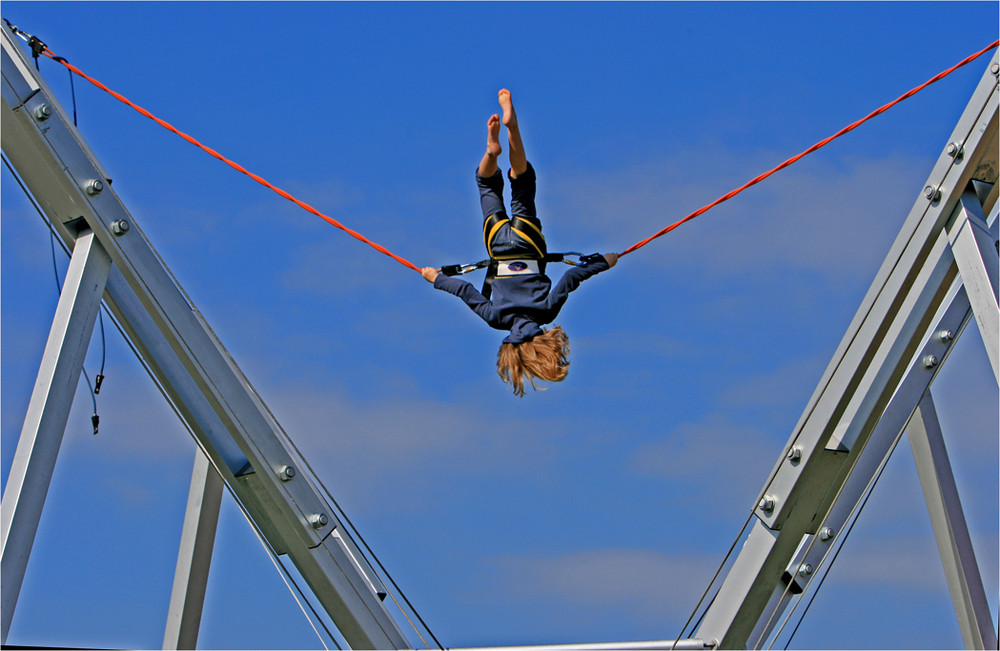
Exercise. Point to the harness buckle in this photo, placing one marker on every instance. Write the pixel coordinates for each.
(581, 261)
(459, 269)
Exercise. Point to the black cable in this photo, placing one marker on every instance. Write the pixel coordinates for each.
(95, 418)
(72, 87)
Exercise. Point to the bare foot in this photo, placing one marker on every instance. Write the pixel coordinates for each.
(509, 117)
(493, 147)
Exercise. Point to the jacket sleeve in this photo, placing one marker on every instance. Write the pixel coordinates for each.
(469, 295)
(572, 279)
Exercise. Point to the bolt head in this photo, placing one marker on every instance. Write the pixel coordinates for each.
(930, 361)
(946, 335)
(318, 520)
(94, 187)
(766, 504)
(805, 569)
(43, 112)
(932, 193)
(826, 534)
(287, 473)
(119, 227)
(795, 454)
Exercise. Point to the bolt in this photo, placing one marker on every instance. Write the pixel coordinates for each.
(826, 534)
(930, 361)
(995, 69)
(766, 503)
(946, 335)
(43, 112)
(119, 227)
(94, 187)
(932, 193)
(955, 150)
(805, 569)
(286, 473)
(318, 520)
(795, 454)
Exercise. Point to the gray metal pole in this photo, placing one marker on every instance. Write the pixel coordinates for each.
(974, 246)
(950, 529)
(48, 411)
(195, 556)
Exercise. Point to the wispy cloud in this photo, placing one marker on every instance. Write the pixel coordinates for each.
(649, 585)
(825, 215)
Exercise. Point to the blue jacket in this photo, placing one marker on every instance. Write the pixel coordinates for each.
(521, 304)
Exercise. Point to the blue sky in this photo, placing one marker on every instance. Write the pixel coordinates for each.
(596, 510)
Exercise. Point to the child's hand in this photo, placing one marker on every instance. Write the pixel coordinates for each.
(611, 258)
(430, 274)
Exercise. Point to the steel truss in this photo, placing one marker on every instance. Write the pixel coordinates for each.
(113, 260)
(939, 274)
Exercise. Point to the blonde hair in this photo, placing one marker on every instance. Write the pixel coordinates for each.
(545, 357)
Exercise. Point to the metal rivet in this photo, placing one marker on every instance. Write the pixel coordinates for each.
(120, 227)
(932, 193)
(805, 569)
(795, 454)
(43, 112)
(826, 534)
(930, 361)
(766, 503)
(286, 473)
(94, 187)
(318, 520)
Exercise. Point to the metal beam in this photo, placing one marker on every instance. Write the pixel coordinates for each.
(657, 645)
(207, 388)
(950, 529)
(864, 398)
(195, 556)
(974, 246)
(48, 410)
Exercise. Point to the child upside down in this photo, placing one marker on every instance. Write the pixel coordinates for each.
(520, 298)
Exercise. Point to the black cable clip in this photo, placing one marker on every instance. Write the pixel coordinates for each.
(95, 420)
(97, 383)
(593, 257)
(36, 45)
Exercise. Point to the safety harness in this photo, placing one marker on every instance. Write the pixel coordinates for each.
(496, 267)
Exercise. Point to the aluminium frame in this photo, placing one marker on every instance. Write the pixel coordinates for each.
(245, 444)
(940, 273)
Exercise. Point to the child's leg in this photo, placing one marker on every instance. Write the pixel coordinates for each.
(488, 165)
(518, 159)
(490, 183)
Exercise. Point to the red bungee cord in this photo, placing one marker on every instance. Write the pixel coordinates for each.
(819, 144)
(234, 165)
(630, 249)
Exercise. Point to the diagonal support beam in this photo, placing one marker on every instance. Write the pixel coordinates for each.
(950, 529)
(974, 246)
(48, 411)
(195, 557)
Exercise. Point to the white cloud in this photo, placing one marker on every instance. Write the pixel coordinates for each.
(690, 449)
(400, 449)
(835, 218)
(786, 387)
(650, 585)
